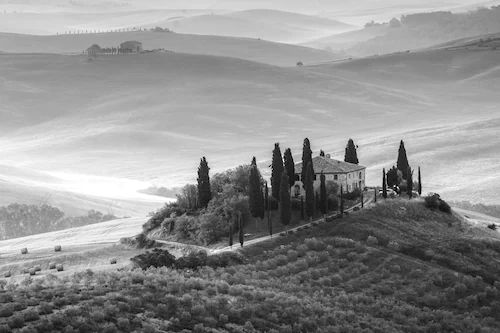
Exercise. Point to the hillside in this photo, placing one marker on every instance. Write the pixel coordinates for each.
(346, 40)
(395, 267)
(248, 107)
(249, 49)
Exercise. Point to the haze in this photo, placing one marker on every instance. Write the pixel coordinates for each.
(91, 133)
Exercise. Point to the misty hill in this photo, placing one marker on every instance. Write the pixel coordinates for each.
(162, 111)
(425, 29)
(250, 49)
(346, 40)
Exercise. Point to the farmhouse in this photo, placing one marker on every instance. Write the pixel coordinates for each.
(350, 176)
(131, 46)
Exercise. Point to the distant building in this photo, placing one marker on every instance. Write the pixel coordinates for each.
(350, 175)
(131, 46)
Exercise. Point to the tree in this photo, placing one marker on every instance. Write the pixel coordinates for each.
(309, 187)
(241, 233)
(277, 170)
(94, 50)
(306, 159)
(393, 177)
(231, 235)
(341, 200)
(204, 191)
(419, 182)
(351, 155)
(289, 167)
(384, 184)
(321, 153)
(285, 201)
(410, 183)
(266, 197)
(324, 196)
(402, 163)
(375, 195)
(302, 212)
(255, 199)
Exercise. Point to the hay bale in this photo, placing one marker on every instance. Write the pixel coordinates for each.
(7, 274)
(112, 261)
(57, 248)
(52, 265)
(32, 271)
(38, 268)
(59, 267)
(25, 270)
(24, 250)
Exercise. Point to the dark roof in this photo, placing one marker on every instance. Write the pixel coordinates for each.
(329, 165)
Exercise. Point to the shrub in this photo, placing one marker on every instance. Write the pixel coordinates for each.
(52, 265)
(372, 241)
(57, 248)
(5, 329)
(6, 311)
(45, 308)
(31, 315)
(16, 321)
(434, 201)
(59, 267)
(393, 245)
(156, 258)
(492, 226)
(353, 195)
(32, 271)
(38, 268)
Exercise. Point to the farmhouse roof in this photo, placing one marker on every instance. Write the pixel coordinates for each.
(329, 166)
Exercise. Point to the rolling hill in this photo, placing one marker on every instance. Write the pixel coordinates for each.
(346, 40)
(249, 49)
(162, 111)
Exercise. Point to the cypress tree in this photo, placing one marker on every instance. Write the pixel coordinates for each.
(306, 159)
(277, 170)
(402, 163)
(341, 200)
(241, 233)
(362, 199)
(419, 182)
(266, 197)
(270, 224)
(410, 183)
(289, 166)
(375, 197)
(384, 185)
(204, 190)
(255, 199)
(324, 198)
(351, 155)
(285, 201)
(321, 153)
(309, 186)
(302, 212)
(231, 235)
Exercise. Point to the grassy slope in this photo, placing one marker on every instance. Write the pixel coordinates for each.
(346, 40)
(316, 280)
(244, 48)
(148, 117)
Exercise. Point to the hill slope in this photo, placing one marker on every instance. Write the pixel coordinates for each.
(179, 107)
(369, 272)
(249, 49)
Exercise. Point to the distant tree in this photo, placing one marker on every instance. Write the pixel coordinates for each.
(392, 177)
(394, 23)
(255, 199)
(384, 184)
(231, 235)
(323, 194)
(375, 195)
(309, 187)
(419, 182)
(266, 197)
(306, 159)
(351, 155)
(321, 153)
(277, 170)
(204, 190)
(410, 183)
(289, 166)
(402, 163)
(285, 201)
(241, 232)
(94, 50)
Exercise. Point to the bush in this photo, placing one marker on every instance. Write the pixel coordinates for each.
(295, 204)
(492, 226)
(156, 258)
(372, 241)
(353, 195)
(170, 209)
(16, 321)
(434, 201)
(31, 315)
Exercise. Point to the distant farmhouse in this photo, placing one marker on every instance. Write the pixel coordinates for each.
(351, 176)
(131, 46)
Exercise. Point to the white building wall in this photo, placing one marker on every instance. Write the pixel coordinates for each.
(349, 181)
